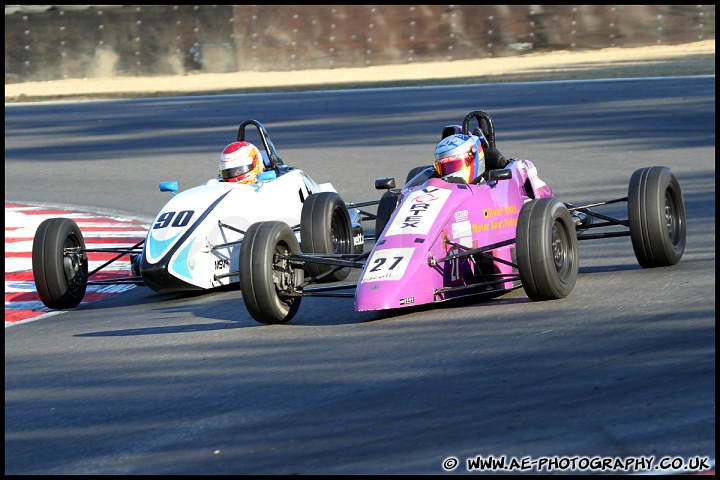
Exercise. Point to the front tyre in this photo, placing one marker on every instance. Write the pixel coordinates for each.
(547, 249)
(60, 263)
(656, 214)
(325, 227)
(386, 207)
(414, 172)
(266, 277)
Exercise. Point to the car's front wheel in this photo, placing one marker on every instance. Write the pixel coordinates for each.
(547, 250)
(414, 172)
(386, 207)
(60, 263)
(267, 276)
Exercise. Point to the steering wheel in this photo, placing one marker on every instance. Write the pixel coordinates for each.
(484, 122)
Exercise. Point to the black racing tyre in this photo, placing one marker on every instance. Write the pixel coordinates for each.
(412, 173)
(386, 207)
(547, 249)
(389, 202)
(264, 277)
(325, 227)
(60, 263)
(656, 214)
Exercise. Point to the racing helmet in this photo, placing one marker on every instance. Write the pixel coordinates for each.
(240, 162)
(460, 156)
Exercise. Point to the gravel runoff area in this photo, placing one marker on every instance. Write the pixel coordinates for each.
(696, 58)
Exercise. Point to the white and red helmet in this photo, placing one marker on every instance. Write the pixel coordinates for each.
(240, 162)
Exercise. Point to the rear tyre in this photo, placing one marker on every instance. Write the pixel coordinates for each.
(265, 279)
(325, 227)
(60, 263)
(547, 250)
(656, 214)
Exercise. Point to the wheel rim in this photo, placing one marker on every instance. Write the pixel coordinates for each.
(671, 218)
(282, 273)
(73, 263)
(560, 248)
(340, 242)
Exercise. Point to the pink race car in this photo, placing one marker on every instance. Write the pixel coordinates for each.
(445, 236)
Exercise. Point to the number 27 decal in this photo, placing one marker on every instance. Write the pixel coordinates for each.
(388, 264)
(379, 262)
(454, 267)
(455, 270)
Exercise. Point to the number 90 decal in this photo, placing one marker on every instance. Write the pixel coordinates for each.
(388, 264)
(169, 218)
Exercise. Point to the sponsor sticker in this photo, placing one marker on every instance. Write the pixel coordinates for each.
(461, 229)
(418, 212)
(358, 239)
(462, 215)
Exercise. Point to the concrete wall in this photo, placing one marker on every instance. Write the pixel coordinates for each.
(84, 41)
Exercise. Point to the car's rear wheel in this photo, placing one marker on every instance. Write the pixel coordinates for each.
(547, 250)
(325, 227)
(266, 275)
(656, 214)
(60, 263)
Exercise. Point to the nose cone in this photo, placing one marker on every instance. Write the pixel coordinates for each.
(398, 272)
(387, 296)
(394, 278)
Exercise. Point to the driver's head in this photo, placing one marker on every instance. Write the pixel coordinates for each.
(460, 156)
(240, 162)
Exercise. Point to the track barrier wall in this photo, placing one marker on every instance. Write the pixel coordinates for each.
(54, 42)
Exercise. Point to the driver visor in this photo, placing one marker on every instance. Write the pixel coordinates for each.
(454, 163)
(229, 173)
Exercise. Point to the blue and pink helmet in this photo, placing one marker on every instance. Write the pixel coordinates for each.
(461, 156)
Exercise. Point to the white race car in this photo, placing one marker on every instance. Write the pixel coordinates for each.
(194, 242)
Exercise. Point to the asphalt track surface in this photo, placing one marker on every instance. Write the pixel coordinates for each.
(141, 383)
